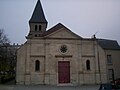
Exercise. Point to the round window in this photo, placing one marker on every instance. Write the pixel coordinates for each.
(63, 48)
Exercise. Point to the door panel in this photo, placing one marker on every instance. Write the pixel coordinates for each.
(64, 71)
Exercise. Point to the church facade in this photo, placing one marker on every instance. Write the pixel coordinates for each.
(58, 56)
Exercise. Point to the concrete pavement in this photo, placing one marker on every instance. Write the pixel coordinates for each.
(41, 87)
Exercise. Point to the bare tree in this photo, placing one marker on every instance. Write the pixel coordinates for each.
(4, 43)
(3, 38)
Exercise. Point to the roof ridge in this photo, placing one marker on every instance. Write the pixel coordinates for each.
(106, 39)
(54, 28)
(58, 27)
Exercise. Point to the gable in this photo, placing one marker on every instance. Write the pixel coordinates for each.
(60, 31)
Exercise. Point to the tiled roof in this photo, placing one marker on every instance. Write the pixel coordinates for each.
(38, 14)
(108, 44)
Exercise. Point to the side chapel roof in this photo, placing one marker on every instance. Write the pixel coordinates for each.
(108, 44)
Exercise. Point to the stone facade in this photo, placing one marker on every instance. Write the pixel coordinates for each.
(86, 58)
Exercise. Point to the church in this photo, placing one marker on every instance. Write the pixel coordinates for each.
(58, 56)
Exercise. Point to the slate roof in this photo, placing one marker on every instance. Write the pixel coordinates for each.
(38, 14)
(108, 44)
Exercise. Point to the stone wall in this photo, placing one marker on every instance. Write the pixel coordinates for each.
(48, 53)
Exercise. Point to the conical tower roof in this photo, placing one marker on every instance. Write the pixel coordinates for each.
(38, 14)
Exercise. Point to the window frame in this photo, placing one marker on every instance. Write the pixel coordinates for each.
(40, 27)
(110, 74)
(88, 65)
(37, 65)
(63, 49)
(36, 27)
(109, 59)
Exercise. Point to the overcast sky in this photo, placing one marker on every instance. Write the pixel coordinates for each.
(83, 17)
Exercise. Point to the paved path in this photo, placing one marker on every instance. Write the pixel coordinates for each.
(40, 87)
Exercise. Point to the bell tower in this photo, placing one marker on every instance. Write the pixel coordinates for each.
(38, 22)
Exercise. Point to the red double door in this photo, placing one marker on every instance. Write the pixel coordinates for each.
(64, 72)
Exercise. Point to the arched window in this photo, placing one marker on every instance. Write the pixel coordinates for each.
(37, 65)
(39, 27)
(88, 64)
(35, 27)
